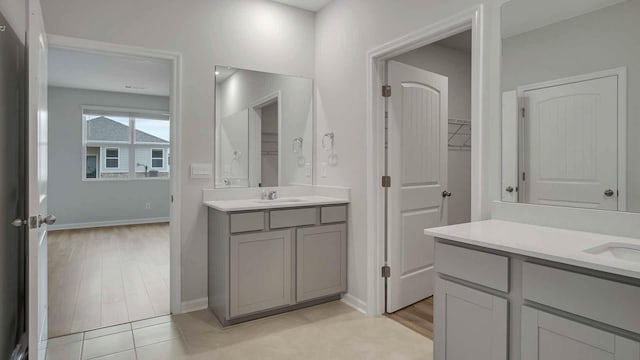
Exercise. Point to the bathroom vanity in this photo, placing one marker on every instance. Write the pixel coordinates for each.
(272, 256)
(507, 290)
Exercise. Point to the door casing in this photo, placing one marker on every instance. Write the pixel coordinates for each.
(175, 104)
(470, 19)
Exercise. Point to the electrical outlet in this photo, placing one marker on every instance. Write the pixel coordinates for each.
(148, 206)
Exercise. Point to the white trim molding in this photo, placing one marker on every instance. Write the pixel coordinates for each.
(194, 305)
(99, 47)
(98, 224)
(473, 19)
(354, 302)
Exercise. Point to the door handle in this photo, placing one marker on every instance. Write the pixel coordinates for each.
(509, 189)
(446, 194)
(609, 193)
(49, 220)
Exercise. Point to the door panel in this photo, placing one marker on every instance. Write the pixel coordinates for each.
(37, 168)
(546, 337)
(417, 158)
(13, 198)
(571, 144)
(260, 271)
(469, 324)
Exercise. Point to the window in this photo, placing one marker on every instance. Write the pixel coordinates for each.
(121, 144)
(112, 158)
(157, 158)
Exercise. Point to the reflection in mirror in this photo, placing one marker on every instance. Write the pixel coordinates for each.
(568, 132)
(264, 129)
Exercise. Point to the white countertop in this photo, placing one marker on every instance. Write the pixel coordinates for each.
(558, 245)
(256, 204)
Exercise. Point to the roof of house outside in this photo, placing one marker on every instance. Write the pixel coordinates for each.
(105, 130)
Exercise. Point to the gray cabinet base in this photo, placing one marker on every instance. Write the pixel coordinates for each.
(254, 316)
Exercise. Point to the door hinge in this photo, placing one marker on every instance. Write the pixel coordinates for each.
(386, 181)
(386, 91)
(524, 176)
(172, 198)
(522, 110)
(386, 271)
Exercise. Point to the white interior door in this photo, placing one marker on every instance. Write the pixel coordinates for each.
(571, 144)
(37, 165)
(417, 164)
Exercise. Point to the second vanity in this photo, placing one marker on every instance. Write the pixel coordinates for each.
(507, 290)
(270, 256)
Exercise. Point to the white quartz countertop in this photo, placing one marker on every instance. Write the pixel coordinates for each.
(558, 245)
(257, 204)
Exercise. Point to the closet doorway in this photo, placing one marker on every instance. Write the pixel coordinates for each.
(428, 160)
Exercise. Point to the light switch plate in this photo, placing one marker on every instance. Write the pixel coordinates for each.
(201, 171)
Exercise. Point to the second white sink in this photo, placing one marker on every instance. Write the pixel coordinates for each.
(623, 251)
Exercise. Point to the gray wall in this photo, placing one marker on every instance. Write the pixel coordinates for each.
(456, 65)
(74, 201)
(601, 40)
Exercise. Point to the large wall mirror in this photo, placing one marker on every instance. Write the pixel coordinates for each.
(570, 109)
(264, 129)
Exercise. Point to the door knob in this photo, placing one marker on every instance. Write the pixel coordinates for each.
(49, 220)
(509, 189)
(446, 194)
(609, 193)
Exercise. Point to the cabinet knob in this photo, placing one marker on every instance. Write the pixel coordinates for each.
(446, 194)
(609, 193)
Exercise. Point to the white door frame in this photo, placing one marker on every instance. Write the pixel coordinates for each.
(473, 19)
(255, 135)
(70, 43)
(621, 73)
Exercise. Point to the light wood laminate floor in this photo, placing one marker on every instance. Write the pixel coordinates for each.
(101, 277)
(417, 317)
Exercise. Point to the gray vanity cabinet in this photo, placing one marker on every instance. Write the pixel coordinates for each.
(547, 336)
(471, 324)
(263, 262)
(260, 271)
(321, 259)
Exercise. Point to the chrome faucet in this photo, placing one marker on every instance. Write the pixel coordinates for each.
(272, 195)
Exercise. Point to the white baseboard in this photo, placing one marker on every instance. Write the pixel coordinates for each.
(108, 223)
(355, 303)
(194, 305)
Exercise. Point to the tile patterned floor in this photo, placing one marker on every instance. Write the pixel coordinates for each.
(328, 331)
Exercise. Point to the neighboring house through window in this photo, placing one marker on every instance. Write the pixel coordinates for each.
(122, 144)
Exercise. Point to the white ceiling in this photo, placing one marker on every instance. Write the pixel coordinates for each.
(311, 5)
(95, 71)
(520, 16)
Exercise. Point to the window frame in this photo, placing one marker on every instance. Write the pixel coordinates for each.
(131, 144)
(107, 157)
(157, 158)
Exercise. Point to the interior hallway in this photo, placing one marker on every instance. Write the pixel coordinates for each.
(101, 277)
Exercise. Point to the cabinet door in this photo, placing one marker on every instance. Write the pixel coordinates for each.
(260, 272)
(321, 261)
(469, 324)
(546, 336)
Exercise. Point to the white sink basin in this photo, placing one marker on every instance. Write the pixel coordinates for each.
(279, 201)
(623, 251)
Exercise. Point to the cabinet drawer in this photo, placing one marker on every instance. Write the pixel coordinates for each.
(253, 221)
(333, 214)
(293, 217)
(606, 301)
(478, 267)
